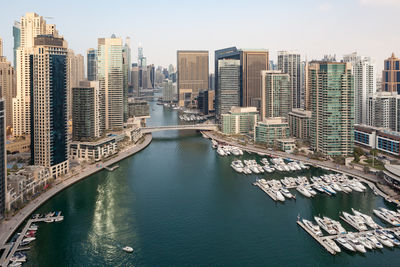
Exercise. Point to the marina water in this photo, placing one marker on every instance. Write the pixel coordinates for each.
(178, 203)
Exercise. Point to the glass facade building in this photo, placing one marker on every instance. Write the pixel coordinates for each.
(391, 75)
(3, 167)
(91, 57)
(228, 85)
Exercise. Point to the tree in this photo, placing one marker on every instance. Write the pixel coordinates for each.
(339, 159)
(358, 151)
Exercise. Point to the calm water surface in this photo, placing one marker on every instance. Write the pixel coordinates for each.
(177, 203)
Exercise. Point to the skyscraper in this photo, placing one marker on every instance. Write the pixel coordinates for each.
(7, 86)
(364, 72)
(49, 88)
(228, 94)
(391, 75)
(383, 110)
(192, 75)
(1, 47)
(252, 62)
(111, 78)
(276, 94)
(3, 163)
(91, 57)
(168, 90)
(86, 111)
(290, 63)
(126, 63)
(32, 25)
(76, 73)
(135, 80)
(17, 40)
(332, 107)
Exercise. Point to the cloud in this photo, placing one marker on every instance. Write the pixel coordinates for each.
(325, 7)
(386, 3)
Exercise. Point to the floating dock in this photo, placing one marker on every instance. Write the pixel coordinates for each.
(319, 239)
(110, 169)
(350, 223)
(268, 192)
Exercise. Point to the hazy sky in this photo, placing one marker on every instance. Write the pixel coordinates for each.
(311, 27)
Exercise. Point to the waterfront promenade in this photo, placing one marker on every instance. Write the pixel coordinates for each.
(9, 226)
(370, 179)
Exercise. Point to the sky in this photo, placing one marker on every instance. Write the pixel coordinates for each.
(312, 28)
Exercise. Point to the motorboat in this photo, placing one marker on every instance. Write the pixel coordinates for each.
(365, 242)
(328, 189)
(279, 195)
(367, 219)
(28, 239)
(286, 193)
(342, 242)
(355, 244)
(326, 225)
(303, 191)
(386, 217)
(335, 187)
(354, 187)
(359, 184)
(49, 220)
(336, 225)
(391, 238)
(372, 238)
(383, 238)
(355, 221)
(310, 190)
(312, 227)
(220, 151)
(127, 249)
(237, 166)
(345, 188)
(318, 188)
(330, 243)
(247, 170)
(59, 219)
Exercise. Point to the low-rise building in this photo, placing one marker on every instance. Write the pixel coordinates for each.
(26, 182)
(299, 123)
(287, 145)
(93, 150)
(138, 108)
(392, 175)
(240, 120)
(134, 134)
(270, 130)
(377, 138)
(18, 145)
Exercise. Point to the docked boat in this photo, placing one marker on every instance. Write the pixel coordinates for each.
(286, 193)
(346, 188)
(310, 190)
(15, 264)
(354, 187)
(49, 220)
(386, 217)
(383, 238)
(318, 188)
(367, 219)
(328, 189)
(303, 191)
(127, 249)
(343, 243)
(355, 221)
(336, 187)
(220, 151)
(279, 195)
(391, 238)
(365, 242)
(237, 165)
(359, 184)
(372, 238)
(330, 243)
(28, 239)
(355, 244)
(246, 170)
(326, 225)
(312, 227)
(59, 219)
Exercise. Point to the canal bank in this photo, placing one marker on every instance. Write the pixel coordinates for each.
(8, 227)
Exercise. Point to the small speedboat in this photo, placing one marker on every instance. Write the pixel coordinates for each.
(127, 249)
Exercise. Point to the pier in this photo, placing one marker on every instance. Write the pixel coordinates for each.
(267, 191)
(11, 248)
(110, 169)
(319, 239)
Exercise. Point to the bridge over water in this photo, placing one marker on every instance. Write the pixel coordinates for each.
(202, 127)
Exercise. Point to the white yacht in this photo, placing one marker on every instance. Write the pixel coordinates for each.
(365, 242)
(386, 217)
(355, 243)
(310, 190)
(354, 187)
(342, 242)
(220, 151)
(237, 165)
(246, 170)
(327, 226)
(372, 238)
(286, 193)
(28, 239)
(367, 219)
(355, 221)
(383, 238)
(332, 245)
(303, 191)
(336, 187)
(312, 227)
(279, 195)
(345, 188)
(391, 237)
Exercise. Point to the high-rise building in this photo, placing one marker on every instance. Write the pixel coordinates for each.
(31, 25)
(332, 107)
(276, 94)
(76, 73)
(383, 110)
(17, 40)
(86, 111)
(1, 47)
(364, 72)
(128, 57)
(391, 75)
(91, 57)
(3, 163)
(168, 90)
(111, 77)
(205, 101)
(228, 93)
(252, 62)
(270, 130)
(135, 80)
(49, 89)
(211, 82)
(126, 68)
(299, 123)
(290, 63)
(141, 58)
(7, 86)
(150, 77)
(193, 74)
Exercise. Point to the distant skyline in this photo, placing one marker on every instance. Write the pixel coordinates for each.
(311, 27)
